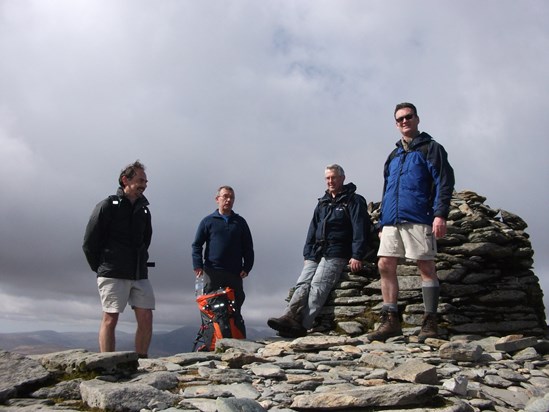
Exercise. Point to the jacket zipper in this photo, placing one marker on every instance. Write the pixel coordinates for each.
(397, 218)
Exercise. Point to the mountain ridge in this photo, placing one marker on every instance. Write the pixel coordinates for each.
(179, 340)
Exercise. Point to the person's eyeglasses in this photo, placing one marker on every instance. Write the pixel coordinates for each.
(407, 117)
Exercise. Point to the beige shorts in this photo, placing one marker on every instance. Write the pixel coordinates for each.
(413, 241)
(115, 294)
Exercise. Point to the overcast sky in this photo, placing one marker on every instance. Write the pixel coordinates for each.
(259, 95)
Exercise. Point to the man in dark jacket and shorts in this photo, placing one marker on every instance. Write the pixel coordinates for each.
(337, 237)
(116, 245)
(417, 192)
(229, 254)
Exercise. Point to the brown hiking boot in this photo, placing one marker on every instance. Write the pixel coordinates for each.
(389, 326)
(429, 327)
(287, 327)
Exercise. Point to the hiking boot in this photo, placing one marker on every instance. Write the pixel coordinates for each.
(389, 326)
(287, 327)
(429, 327)
(292, 333)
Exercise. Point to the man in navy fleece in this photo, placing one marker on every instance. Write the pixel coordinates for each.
(229, 254)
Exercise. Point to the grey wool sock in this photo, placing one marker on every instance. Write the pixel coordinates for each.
(390, 307)
(431, 292)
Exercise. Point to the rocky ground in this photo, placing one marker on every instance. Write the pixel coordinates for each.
(316, 372)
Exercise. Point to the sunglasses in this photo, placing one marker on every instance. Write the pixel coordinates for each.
(407, 117)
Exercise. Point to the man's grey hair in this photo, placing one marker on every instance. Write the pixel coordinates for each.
(229, 188)
(339, 170)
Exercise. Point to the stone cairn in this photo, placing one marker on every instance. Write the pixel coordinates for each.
(484, 265)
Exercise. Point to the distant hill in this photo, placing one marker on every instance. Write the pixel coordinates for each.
(163, 343)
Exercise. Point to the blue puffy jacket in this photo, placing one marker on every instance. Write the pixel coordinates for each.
(418, 183)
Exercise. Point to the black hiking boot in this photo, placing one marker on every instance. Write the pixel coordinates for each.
(389, 326)
(287, 327)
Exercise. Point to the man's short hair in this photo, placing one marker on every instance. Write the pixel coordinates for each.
(229, 188)
(405, 105)
(337, 168)
(130, 171)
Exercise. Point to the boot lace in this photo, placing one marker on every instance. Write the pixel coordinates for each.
(429, 323)
(383, 318)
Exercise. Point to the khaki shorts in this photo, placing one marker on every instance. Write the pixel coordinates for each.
(115, 294)
(413, 241)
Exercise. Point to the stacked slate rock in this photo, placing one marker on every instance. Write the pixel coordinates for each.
(485, 269)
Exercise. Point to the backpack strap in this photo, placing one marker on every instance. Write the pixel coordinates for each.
(423, 149)
(114, 200)
(113, 205)
(345, 205)
(392, 155)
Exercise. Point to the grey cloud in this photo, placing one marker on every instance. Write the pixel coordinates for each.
(258, 95)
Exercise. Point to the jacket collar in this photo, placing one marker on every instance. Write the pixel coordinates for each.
(419, 140)
(347, 191)
(141, 201)
(220, 216)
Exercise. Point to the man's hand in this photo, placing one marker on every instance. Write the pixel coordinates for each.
(439, 227)
(356, 265)
(243, 274)
(198, 272)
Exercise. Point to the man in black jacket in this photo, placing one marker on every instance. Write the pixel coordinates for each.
(337, 237)
(116, 245)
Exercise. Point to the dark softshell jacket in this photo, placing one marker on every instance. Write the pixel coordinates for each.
(229, 244)
(418, 183)
(118, 236)
(339, 227)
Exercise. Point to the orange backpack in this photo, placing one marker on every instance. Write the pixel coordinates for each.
(217, 313)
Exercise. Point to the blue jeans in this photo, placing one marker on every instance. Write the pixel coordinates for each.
(313, 288)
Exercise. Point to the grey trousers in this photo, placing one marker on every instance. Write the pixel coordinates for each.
(313, 288)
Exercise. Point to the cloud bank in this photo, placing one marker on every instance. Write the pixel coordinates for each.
(257, 95)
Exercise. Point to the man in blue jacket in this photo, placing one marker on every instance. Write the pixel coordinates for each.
(116, 245)
(229, 254)
(337, 237)
(417, 191)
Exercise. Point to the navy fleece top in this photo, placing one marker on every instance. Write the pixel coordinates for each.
(229, 244)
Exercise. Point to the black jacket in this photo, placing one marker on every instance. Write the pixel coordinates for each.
(340, 226)
(118, 236)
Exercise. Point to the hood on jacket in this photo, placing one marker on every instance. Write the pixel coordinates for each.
(348, 190)
(419, 140)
